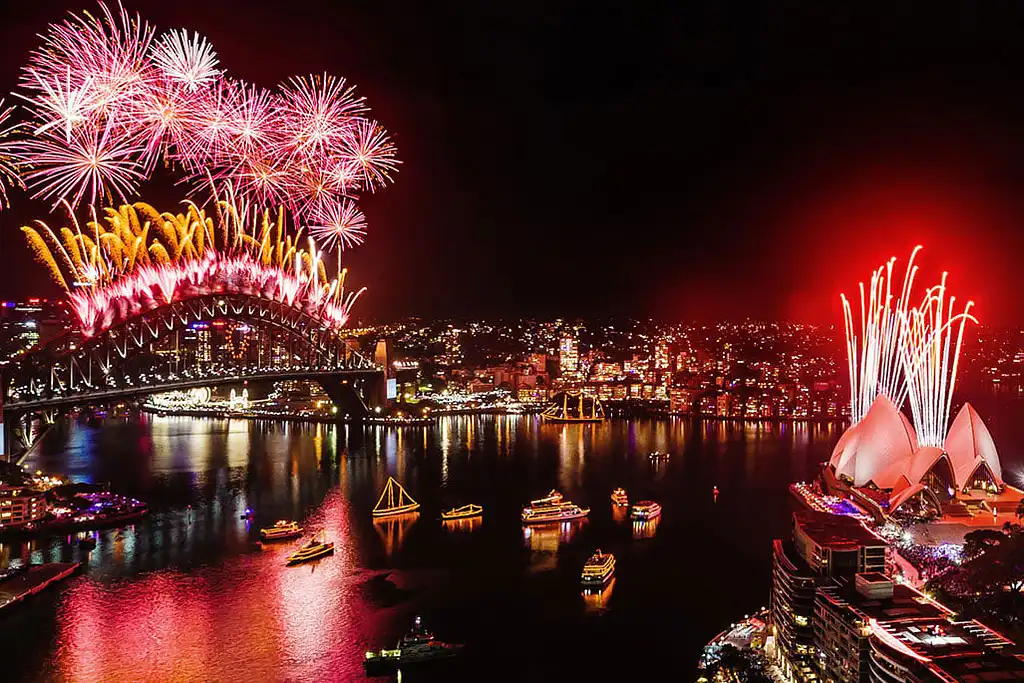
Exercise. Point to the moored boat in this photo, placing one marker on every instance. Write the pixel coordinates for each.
(619, 497)
(282, 529)
(394, 500)
(598, 569)
(645, 509)
(464, 512)
(311, 551)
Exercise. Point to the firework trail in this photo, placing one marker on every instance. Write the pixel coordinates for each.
(107, 99)
(133, 259)
(874, 356)
(930, 360)
(8, 159)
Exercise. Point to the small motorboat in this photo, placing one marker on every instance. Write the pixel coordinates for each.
(464, 512)
(246, 515)
(282, 529)
(645, 509)
(619, 497)
(314, 549)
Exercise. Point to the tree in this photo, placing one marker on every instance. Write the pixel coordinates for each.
(977, 542)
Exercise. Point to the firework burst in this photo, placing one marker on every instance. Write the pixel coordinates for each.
(134, 259)
(339, 223)
(107, 101)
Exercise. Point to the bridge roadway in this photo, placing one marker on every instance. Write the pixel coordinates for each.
(100, 396)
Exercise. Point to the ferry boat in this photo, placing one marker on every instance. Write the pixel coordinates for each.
(311, 551)
(619, 497)
(552, 508)
(598, 569)
(464, 512)
(394, 500)
(282, 529)
(418, 646)
(645, 509)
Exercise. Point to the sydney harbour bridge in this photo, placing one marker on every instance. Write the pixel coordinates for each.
(123, 362)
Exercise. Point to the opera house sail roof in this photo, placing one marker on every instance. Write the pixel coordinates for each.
(881, 451)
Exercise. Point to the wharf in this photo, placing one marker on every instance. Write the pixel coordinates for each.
(32, 580)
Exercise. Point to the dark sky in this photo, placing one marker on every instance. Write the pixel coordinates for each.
(699, 159)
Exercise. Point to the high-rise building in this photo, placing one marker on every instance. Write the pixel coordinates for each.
(823, 548)
(662, 356)
(568, 356)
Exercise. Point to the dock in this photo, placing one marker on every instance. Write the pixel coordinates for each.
(34, 579)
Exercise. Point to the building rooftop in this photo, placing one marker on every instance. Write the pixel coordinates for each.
(836, 532)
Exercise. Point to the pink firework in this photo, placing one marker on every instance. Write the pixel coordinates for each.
(8, 160)
(189, 62)
(372, 153)
(96, 162)
(106, 53)
(120, 102)
(316, 113)
(338, 223)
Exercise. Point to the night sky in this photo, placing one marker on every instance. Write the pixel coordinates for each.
(680, 159)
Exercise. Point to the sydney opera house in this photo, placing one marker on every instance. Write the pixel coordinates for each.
(880, 465)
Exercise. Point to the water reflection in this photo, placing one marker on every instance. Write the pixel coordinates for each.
(596, 599)
(646, 528)
(185, 595)
(393, 530)
(466, 525)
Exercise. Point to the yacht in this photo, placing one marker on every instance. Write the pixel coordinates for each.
(552, 508)
(282, 529)
(394, 500)
(645, 509)
(311, 551)
(598, 569)
(619, 497)
(418, 646)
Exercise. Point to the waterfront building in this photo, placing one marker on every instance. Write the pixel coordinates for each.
(823, 548)
(874, 630)
(20, 505)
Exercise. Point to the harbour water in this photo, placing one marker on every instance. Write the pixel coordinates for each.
(186, 594)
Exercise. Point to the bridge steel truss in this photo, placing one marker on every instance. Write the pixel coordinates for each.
(63, 374)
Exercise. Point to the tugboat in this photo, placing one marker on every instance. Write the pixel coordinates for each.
(644, 510)
(311, 551)
(598, 569)
(619, 497)
(464, 512)
(418, 646)
(552, 508)
(283, 529)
